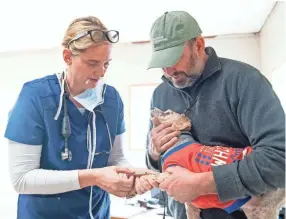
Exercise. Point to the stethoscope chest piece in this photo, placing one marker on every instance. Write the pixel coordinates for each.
(66, 154)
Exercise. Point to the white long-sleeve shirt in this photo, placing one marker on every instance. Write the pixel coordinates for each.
(28, 178)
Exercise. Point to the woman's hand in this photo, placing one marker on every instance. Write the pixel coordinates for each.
(115, 180)
(118, 181)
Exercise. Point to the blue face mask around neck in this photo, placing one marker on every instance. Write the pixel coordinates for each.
(91, 97)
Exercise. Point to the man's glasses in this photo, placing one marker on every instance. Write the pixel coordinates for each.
(98, 35)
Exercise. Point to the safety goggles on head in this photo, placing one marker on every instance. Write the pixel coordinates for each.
(98, 35)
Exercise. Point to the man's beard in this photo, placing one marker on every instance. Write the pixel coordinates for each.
(187, 78)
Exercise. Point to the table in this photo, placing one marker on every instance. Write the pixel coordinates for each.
(136, 213)
(123, 209)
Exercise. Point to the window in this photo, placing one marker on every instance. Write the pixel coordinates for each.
(139, 114)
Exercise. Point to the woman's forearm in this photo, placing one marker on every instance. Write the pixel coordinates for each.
(88, 177)
(40, 181)
(28, 178)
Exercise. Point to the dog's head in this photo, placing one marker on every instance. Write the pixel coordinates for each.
(180, 121)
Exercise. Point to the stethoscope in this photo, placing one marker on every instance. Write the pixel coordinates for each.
(66, 154)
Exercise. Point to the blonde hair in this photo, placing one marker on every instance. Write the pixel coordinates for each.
(79, 26)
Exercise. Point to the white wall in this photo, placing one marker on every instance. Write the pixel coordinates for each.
(273, 50)
(279, 81)
(129, 61)
(273, 40)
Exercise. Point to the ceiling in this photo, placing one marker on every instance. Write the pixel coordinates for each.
(34, 24)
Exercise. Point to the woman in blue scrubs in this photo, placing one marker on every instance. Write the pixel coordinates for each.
(65, 133)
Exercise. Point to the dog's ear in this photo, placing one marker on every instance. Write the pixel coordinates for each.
(155, 112)
(155, 121)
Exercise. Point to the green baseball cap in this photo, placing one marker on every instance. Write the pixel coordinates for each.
(168, 36)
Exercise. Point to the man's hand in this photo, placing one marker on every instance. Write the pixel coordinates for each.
(118, 181)
(162, 137)
(184, 186)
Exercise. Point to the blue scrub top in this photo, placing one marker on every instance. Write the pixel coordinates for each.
(31, 121)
